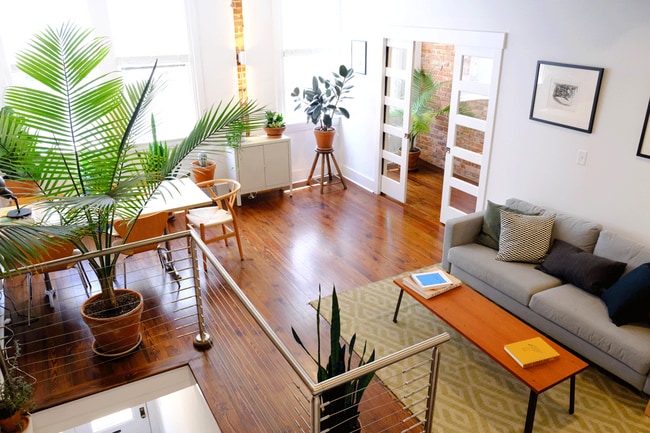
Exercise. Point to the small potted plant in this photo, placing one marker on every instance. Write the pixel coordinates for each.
(203, 168)
(275, 124)
(16, 396)
(341, 414)
(322, 101)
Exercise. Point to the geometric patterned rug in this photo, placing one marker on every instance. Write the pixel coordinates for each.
(474, 393)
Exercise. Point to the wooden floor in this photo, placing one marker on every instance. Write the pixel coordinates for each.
(345, 238)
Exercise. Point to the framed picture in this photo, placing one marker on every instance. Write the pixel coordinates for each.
(644, 143)
(566, 95)
(359, 57)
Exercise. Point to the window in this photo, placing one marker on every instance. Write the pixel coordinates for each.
(140, 34)
(310, 46)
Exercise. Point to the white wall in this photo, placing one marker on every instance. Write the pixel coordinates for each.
(532, 160)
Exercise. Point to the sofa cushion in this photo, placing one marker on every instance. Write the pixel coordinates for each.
(524, 238)
(519, 281)
(616, 247)
(580, 268)
(628, 300)
(585, 315)
(491, 227)
(576, 231)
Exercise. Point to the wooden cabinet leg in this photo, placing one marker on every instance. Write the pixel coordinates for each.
(647, 409)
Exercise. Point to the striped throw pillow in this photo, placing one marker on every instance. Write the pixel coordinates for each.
(524, 238)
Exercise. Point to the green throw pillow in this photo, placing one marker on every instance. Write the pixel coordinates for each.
(491, 228)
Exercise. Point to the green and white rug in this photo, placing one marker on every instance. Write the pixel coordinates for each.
(474, 393)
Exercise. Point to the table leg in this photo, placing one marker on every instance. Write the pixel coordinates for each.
(399, 302)
(530, 415)
(572, 394)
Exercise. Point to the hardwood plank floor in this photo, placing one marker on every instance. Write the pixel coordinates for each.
(291, 245)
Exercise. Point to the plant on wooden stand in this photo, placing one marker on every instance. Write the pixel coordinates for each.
(340, 405)
(84, 156)
(322, 102)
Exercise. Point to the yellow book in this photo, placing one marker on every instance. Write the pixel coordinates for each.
(531, 352)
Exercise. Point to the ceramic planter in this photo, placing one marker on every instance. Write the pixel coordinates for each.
(324, 139)
(202, 174)
(275, 132)
(117, 335)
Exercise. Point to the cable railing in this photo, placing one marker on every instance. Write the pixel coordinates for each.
(204, 318)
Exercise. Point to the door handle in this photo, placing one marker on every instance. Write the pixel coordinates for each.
(143, 414)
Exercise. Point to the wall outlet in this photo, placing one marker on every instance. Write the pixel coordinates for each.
(582, 157)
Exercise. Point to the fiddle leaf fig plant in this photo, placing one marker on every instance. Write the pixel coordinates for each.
(323, 100)
(88, 160)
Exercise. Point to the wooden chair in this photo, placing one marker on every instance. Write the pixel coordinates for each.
(221, 215)
(63, 250)
(145, 227)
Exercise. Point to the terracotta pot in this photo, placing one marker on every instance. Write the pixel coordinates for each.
(201, 174)
(414, 156)
(324, 139)
(16, 423)
(274, 132)
(115, 335)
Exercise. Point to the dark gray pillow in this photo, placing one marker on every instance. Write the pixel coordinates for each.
(580, 268)
(491, 228)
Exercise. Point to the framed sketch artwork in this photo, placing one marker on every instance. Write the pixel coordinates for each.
(566, 95)
(644, 143)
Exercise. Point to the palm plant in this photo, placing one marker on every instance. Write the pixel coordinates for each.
(340, 413)
(424, 90)
(85, 160)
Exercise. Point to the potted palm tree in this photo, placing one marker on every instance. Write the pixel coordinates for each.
(340, 408)
(322, 102)
(85, 160)
(424, 90)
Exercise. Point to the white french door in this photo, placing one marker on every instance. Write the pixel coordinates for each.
(469, 137)
(396, 103)
(475, 82)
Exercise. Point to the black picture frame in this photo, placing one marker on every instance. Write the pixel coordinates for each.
(358, 56)
(566, 95)
(644, 143)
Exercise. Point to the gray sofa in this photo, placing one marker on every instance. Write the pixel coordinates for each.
(570, 315)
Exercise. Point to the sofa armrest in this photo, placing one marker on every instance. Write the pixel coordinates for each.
(460, 231)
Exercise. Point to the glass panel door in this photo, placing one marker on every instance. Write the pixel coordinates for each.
(398, 67)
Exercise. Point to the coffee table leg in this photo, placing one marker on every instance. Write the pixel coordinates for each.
(572, 394)
(399, 302)
(530, 415)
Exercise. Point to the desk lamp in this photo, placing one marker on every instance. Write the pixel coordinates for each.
(6, 193)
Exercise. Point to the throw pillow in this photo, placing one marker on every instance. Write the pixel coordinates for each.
(628, 300)
(491, 227)
(580, 268)
(524, 238)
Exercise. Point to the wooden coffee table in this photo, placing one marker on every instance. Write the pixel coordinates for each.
(489, 327)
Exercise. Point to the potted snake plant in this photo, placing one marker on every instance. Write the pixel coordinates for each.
(340, 405)
(83, 154)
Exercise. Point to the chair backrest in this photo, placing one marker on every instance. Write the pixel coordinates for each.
(216, 188)
(54, 252)
(145, 227)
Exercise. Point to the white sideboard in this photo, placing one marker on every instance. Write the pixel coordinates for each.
(264, 163)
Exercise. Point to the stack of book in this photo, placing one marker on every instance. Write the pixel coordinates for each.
(431, 283)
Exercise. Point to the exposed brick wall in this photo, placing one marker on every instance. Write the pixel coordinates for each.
(438, 59)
